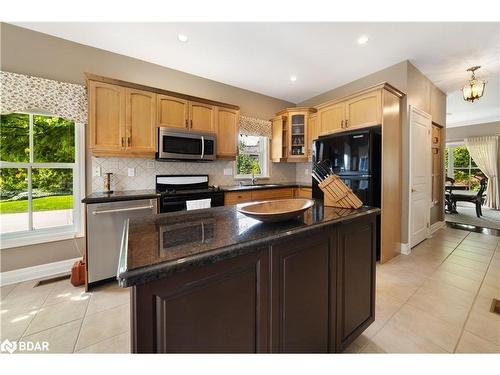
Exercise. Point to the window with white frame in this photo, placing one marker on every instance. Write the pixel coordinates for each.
(39, 176)
(253, 156)
(460, 166)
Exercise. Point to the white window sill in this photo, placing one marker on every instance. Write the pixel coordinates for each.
(17, 240)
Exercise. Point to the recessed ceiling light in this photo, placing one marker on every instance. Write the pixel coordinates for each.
(182, 38)
(293, 78)
(362, 39)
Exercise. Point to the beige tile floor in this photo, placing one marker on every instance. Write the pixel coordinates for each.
(436, 300)
(67, 317)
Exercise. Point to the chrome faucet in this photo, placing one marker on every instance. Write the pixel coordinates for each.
(254, 179)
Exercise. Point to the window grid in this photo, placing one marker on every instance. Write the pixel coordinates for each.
(56, 165)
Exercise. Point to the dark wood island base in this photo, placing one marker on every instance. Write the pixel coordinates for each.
(307, 287)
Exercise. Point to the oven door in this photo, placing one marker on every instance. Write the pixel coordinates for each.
(178, 145)
(178, 202)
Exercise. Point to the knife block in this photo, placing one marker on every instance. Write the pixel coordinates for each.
(337, 194)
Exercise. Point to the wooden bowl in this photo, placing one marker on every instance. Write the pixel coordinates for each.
(276, 210)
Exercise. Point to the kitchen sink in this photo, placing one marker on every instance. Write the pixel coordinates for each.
(261, 185)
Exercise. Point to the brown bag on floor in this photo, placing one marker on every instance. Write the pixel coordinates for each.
(78, 273)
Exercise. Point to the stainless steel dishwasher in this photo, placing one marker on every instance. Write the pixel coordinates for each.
(105, 222)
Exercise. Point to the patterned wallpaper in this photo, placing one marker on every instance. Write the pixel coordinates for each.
(146, 169)
(19, 92)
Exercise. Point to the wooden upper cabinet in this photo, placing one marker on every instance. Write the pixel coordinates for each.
(228, 127)
(312, 133)
(172, 112)
(124, 118)
(331, 118)
(140, 121)
(364, 110)
(297, 134)
(277, 144)
(202, 117)
(106, 117)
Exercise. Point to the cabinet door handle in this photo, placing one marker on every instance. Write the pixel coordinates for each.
(123, 142)
(191, 124)
(342, 124)
(129, 141)
(346, 123)
(187, 124)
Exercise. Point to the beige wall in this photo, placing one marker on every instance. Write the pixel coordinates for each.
(29, 52)
(395, 75)
(34, 255)
(424, 95)
(459, 133)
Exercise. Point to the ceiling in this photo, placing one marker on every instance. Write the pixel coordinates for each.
(262, 57)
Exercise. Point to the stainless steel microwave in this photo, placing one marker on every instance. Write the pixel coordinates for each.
(175, 144)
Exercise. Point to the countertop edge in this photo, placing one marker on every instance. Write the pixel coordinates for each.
(161, 270)
(271, 185)
(91, 200)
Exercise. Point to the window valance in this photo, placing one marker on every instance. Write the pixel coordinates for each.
(23, 93)
(255, 127)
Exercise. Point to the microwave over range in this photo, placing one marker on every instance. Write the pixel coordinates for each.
(175, 144)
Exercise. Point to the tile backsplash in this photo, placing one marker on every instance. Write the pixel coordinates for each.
(146, 169)
(303, 172)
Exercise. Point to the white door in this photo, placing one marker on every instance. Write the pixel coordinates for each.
(420, 175)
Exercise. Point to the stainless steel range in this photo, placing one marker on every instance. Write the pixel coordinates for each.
(182, 192)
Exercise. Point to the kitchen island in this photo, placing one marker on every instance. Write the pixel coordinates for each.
(215, 280)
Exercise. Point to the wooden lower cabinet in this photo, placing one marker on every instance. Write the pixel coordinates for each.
(354, 295)
(219, 308)
(299, 297)
(311, 293)
(236, 197)
(303, 192)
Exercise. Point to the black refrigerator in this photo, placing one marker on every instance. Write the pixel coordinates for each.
(355, 156)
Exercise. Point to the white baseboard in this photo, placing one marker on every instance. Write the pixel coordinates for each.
(405, 248)
(437, 226)
(36, 272)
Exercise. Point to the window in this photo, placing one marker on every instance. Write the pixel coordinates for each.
(252, 156)
(461, 167)
(39, 176)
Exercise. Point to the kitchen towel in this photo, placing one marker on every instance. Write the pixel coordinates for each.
(198, 204)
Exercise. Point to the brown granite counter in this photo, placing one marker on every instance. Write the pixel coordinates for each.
(154, 246)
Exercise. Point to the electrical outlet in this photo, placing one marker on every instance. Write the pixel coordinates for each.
(228, 171)
(131, 172)
(96, 172)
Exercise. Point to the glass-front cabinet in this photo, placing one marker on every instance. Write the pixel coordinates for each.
(295, 141)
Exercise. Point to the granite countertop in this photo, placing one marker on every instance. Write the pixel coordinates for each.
(116, 196)
(128, 195)
(158, 245)
(263, 185)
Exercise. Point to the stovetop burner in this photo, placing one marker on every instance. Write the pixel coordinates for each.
(172, 191)
(175, 190)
